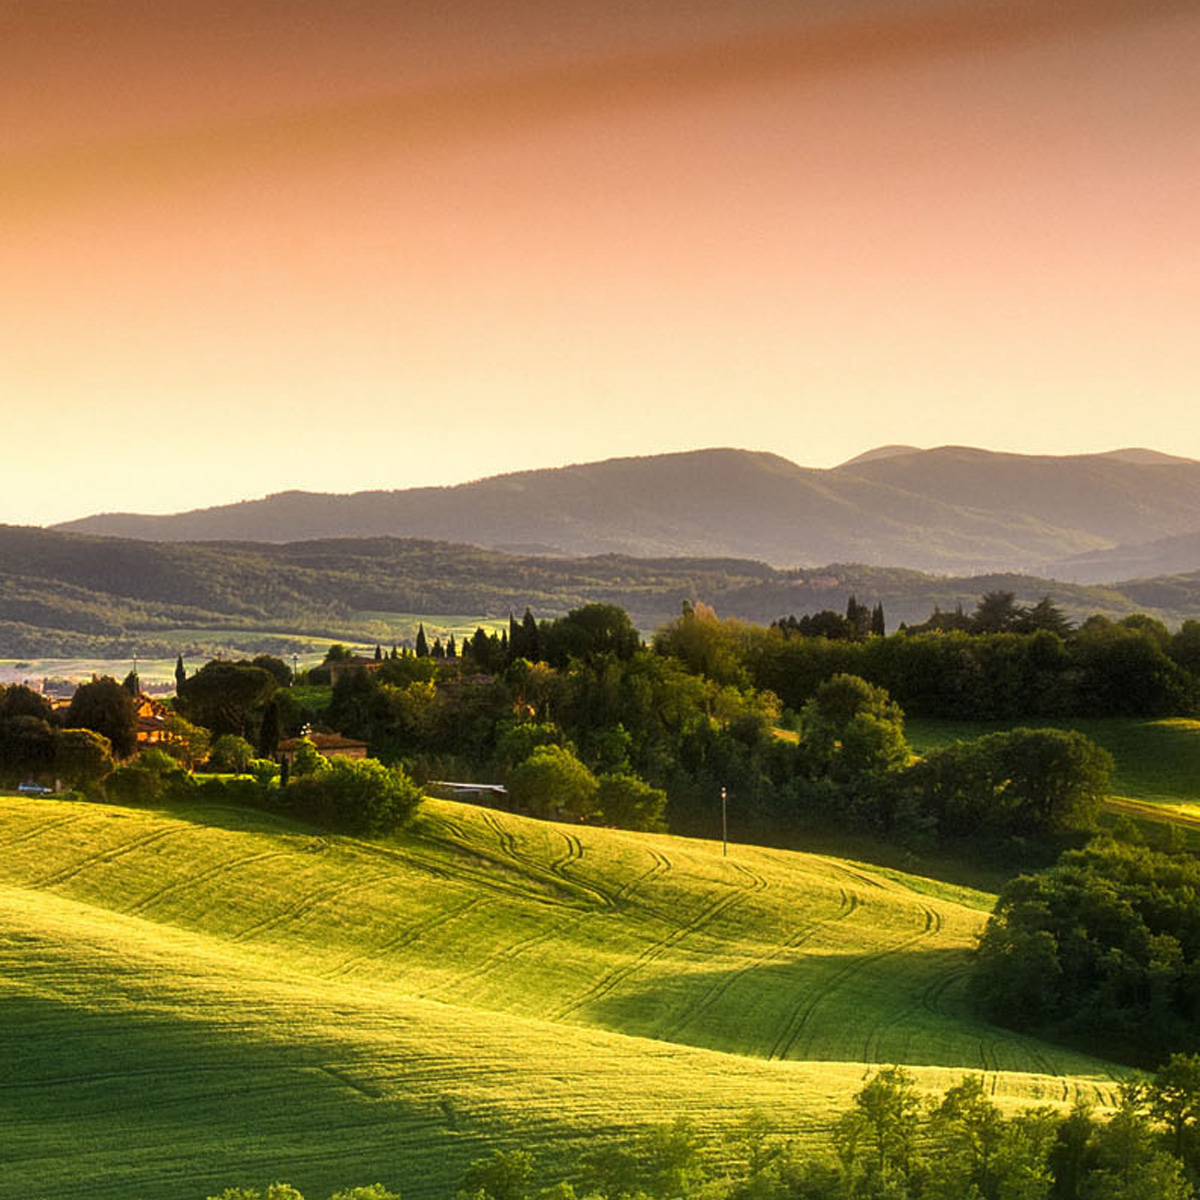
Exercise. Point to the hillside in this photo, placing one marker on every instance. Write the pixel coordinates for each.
(69, 595)
(951, 509)
(188, 996)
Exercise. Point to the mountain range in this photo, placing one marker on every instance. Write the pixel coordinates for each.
(954, 509)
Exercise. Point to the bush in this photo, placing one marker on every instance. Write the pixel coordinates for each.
(553, 778)
(628, 802)
(354, 796)
(231, 754)
(151, 778)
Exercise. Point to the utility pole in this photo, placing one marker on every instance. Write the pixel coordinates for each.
(724, 828)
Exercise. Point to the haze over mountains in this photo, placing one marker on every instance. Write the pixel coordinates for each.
(1090, 518)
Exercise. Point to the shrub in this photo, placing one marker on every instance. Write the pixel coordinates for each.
(151, 778)
(553, 778)
(354, 796)
(230, 753)
(629, 802)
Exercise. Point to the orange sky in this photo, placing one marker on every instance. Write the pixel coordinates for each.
(339, 244)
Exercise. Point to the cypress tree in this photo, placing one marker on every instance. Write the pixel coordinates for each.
(378, 652)
(268, 734)
(180, 673)
(531, 638)
(422, 643)
(878, 628)
(451, 648)
(439, 651)
(132, 684)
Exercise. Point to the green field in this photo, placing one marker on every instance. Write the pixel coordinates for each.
(1157, 761)
(214, 995)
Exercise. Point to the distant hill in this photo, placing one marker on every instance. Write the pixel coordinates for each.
(951, 509)
(64, 594)
(1163, 556)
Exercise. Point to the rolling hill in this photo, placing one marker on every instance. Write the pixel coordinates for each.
(951, 509)
(189, 996)
(70, 595)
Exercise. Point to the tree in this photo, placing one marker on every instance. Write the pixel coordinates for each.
(851, 728)
(876, 1140)
(21, 701)
(307, 759)
(187, 742)
(354, 796)
(878, 624)
(82, 757)
(1053, 779)
(180, 673)
(151, 778)
(132, 684)
(996, 612)
(1174, 1098)
(589, 631)
(422, 643)
(451, 648)
(503, 1175)
(222, 695)
(27, 748)
(553, 778)
(1044, 615)
(269, 730)
(274, 666)
(628, 802)
(231, 754)
(105, 707)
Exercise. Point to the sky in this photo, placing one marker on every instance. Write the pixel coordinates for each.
(254, 245)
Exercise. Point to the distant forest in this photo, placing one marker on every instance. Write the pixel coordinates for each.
(68, 595)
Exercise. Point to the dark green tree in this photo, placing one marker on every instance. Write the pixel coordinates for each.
(422, 645)
(105, 707)
(878, 625)
(180, 673)
(269, 731)
(132, 684)
(221, 696)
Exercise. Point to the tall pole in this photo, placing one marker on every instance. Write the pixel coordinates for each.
(724, 828)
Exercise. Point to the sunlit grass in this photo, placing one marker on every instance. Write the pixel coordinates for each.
(218, 994)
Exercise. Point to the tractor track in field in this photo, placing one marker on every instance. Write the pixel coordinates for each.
(403, 937)
(180, 885)
(107, 855)
(502, 957)
(556, 868)
(607, 983)
(306, 904)
(848, 901)
(800, 1016)
(458, 874)
(45, 827)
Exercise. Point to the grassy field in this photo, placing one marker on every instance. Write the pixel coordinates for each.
(1157, 761)
(212, 996)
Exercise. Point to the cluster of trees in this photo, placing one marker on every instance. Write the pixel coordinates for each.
(994, 669)
(893, 1143)
(76, 747)
(596, 724)
(854, 768)
(1102, 949)
(858, 623)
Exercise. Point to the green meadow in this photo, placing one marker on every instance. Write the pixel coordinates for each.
(208, 995)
